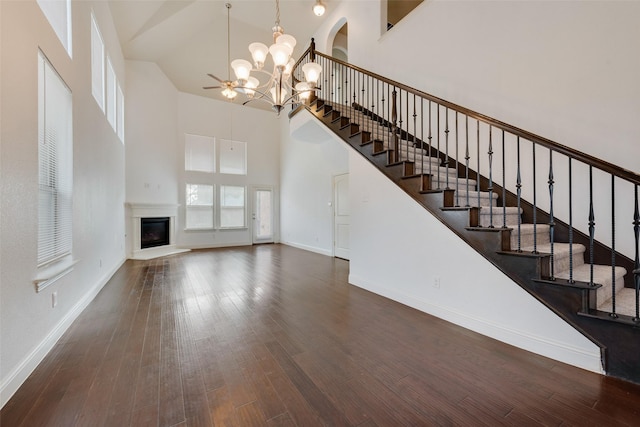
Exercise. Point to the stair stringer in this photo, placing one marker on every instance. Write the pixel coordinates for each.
(505, 323)
(619, 342)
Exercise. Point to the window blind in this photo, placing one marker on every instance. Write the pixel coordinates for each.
(233, 157)
(232, 206)
(199, 206)
(58, 13)
(199, 153)
(55, 160)
(120, 118)
(111, 94)
(97, 64)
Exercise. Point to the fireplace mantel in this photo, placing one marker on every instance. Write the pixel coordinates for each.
(153, 210)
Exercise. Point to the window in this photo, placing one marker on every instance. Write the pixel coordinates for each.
(199, 206)
(111, 94)
(120, 114)
(97, 64)
(58, 13)
(233, 157)
(232, 206)
(199, 153)
(55, 160)
(398, 9)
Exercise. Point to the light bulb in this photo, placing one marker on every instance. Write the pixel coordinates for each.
(312, 72)
(242, 69)
(259, 53)
(318, 8)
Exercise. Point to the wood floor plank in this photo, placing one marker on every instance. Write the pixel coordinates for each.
(275, 336)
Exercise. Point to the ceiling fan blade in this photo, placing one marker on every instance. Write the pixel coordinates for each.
(216, 78)
(212, 87)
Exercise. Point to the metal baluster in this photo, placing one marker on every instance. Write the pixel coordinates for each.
(346, 92)
(430, 137)
(535, 204)
(382, 119)
(551, 220)
(394, 127)
(613, 247)
(354, 104)
(380, 112)
(636, 271)
(457, 203)
(446, 147)
(438, 143)
(570, 224)
(490, 153)
(504, 186)
(519, 192)
(415, 135)
(399, 130)
(332, 79)
(399, 158)
(407, 124)
(478, 158)
(422, 138)
(466, 157)
(592, 226)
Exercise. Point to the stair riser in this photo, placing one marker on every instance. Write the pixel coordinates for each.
(526, 239)
(485, 218)
(561, 261)
(442, 183)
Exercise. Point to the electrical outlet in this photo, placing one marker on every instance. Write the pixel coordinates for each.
(436, 283)
(54, 299)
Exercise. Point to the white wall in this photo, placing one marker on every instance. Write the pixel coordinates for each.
(559, 69)
(399, 250)
(310, 158)
(564, 70)
(29, 325)
(260, 129)
(159, 116)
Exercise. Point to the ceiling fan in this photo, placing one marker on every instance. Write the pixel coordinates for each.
(227, 86)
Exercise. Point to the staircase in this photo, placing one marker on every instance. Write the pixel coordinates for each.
(448, 158)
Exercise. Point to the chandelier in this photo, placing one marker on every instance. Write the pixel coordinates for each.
(279, 89)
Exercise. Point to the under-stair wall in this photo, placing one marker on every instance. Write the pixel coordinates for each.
(392, 254)
(453, 161)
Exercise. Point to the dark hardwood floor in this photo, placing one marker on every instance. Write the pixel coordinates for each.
(274, 336)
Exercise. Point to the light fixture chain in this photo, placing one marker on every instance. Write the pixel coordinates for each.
(277, 13)
(228, 6)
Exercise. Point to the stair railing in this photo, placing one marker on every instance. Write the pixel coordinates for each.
(411, 123)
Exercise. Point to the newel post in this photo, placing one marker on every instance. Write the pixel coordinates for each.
(312, 50)
(393, 156)
(312, 57)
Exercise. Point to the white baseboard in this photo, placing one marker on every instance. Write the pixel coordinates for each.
(320, 251)
(522, 339)
(21, 372)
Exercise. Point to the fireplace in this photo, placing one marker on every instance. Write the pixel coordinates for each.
(154, 232)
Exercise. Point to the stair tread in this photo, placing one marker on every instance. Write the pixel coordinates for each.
(497, 211)
(527, 228)
(601, 274)
(625, 302)
(559, 248)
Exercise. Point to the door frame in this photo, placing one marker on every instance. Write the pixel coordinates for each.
(334, 204)
(254, 192)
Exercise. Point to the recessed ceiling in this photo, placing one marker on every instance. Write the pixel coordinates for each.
(188, 38)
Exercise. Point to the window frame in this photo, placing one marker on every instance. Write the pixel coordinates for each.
(98, 86)
(222, 206)
(55, 176)
(199, 207)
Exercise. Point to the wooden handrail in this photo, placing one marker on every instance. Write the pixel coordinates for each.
(603, 165)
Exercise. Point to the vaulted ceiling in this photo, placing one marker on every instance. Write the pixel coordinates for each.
(188, 38)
